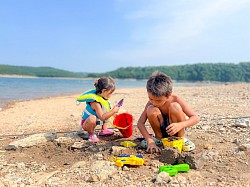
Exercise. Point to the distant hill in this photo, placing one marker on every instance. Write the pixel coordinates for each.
(223, 72)
(38, 71)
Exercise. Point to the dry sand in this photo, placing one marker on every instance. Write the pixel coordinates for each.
(62, 113)
(212, 103)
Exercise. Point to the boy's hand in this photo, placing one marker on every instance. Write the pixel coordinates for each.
(152, 147)
(173, 128)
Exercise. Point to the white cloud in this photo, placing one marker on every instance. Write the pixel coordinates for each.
(165, 27)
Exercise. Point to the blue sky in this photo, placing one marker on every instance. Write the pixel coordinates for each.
(103, 35)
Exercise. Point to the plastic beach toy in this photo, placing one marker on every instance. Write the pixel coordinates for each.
(173, 170)
(128, 144)
(127, 159)
(124, 123)
(128, 155)
(174, 142)
(188, 145)
(120, 103)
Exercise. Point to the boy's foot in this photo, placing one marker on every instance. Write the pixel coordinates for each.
(188, 145)
(93, 138)
(106, 132)
(144, 143)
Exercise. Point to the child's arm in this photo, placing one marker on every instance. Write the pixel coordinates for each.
(193, 118)
(103, 116)
(141, 126)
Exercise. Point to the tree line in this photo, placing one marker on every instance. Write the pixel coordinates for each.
(224, 72)
(38, 71)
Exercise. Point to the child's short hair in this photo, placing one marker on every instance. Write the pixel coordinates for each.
(104, 83)
(159, 84)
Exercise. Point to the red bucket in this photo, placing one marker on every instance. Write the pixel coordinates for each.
(124, 122)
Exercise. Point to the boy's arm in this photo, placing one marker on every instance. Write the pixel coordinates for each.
(141, 126)
(141, 123)
(193, 117)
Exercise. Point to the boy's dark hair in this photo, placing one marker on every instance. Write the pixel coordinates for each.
(159, 84)
(104, 83)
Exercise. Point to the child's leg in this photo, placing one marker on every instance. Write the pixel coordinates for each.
(105, 126)
(105, 131)
(155, 119)
(89, 124)
(177, 115)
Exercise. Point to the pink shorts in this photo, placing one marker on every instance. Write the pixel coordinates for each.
(82, 121)
(98, 122)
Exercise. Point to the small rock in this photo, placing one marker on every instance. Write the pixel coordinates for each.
(50, 136)
(93, 178)
(162, 178)
(10, 148)
(208, 146)
(80, 164)
(116, 150)
(241, 123)
(125, 168)
(78, 145)
(195, 161)
(244, 147)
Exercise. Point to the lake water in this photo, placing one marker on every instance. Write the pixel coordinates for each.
(16, 89)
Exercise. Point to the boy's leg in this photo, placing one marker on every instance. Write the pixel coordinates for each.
(176, 115)
(89, 124)
(155, 119)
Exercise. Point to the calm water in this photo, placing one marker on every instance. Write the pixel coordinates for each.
(14, 89)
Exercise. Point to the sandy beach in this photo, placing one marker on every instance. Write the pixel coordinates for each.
(62, 113)
(218, 106)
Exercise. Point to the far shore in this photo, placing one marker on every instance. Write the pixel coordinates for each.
(75, 78)
(27, 76)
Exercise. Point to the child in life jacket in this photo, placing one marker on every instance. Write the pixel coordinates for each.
(98, 110)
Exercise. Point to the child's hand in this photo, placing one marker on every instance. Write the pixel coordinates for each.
(173, 128)
(116, 109)
(152, 147)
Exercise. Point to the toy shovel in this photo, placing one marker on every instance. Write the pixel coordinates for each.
(120, 103)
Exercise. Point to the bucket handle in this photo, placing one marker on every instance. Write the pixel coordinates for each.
(123, 128)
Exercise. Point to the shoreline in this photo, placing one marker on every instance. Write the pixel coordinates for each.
(62, 113)
(6, 103)
(13, 102)
(74, 78)
(36, 77)
(127, 79)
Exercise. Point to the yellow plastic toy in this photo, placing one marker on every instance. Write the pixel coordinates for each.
(128, 144)
(134, 160)
(176, 143)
